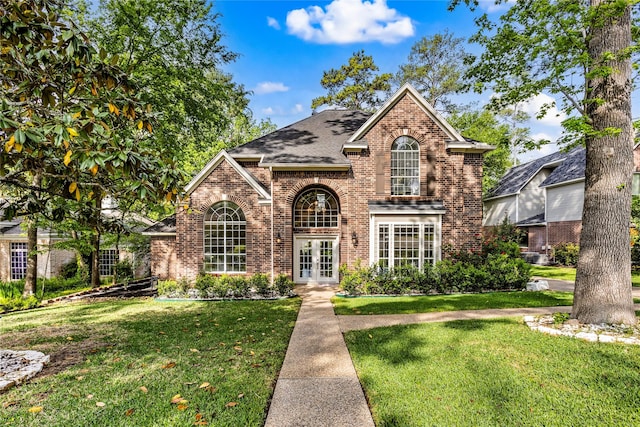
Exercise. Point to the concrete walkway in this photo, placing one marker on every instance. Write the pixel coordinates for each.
(318, 385)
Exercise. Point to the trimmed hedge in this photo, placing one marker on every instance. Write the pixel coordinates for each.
(227, 287)
(498, 266)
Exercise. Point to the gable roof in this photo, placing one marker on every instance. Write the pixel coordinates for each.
(314, 141)
(166, 226)
(456, 141)
(219, 158)
(519, 176)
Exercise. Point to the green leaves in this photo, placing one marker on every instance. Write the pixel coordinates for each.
(354, 85)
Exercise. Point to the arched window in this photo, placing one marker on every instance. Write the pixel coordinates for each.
(316, 207)
(405, 167)
(225, 238)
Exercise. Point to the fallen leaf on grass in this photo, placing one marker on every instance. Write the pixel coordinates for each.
(204, 385)
(194, 350)
(144, 389)
(178, 399)
(89, 396)
(182, 406)
(162, 333)
(69, 338)
(129, 412)
(5, 405)
(100, 404)
(241, 395)
(79, 378)
(200, 423)
(256, 365)
(35, 409)
(169, 365)
(231, 404)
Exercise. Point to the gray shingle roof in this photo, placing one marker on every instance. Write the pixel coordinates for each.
(406, 205)
(518, 176)
(317, 139)
(572, 168)
(167, 225)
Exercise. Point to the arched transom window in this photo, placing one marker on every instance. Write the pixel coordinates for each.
(316, 207)
(225, 238)
(405, 167)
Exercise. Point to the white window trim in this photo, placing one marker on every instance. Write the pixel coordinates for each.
(434, 219)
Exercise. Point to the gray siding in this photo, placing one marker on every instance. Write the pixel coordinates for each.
(495, 210)
(531, 199)
(564, 203)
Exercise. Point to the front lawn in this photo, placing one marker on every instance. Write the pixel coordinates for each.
(569, 273)
(494, 373)
(436, 303)
(124, 363)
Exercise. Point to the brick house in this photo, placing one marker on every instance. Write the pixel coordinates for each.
(545, 197)
(337, 187)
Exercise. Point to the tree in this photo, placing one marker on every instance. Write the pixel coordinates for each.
(354, 86)
(582, 52)
(435, 67)
(73, 130)
(174, 49)
(486, 126)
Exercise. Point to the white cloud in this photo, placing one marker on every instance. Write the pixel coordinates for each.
(350, 21)
(553, 116)
(267, 111)
(544, 150)
(297, 109)
(270, 87)
(273, 23)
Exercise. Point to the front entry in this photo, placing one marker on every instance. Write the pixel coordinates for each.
(316, 259)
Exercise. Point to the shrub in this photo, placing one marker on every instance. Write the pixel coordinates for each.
(283, 284)
(239, 286)
(261, 284)
(507, 273)
(123, 271)
(69, 270)
(12, 289)
(179, 288)
(566, 253)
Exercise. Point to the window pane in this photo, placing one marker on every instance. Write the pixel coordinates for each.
(405, 167)
(316, 208)
(406, 247)
(18, 260)
(224, 239)
(635, 184)
(429, 238)
(108, 260)
(383, 246)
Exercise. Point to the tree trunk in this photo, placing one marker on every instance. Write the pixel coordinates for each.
(31, 278)
(603, 279)
(95, 259)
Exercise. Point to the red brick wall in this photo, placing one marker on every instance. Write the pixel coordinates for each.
(224, 183)
(457, 178)
(558, 232)
(163, 257)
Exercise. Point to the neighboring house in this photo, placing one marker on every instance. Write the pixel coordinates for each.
(545, 197)
(13, 251)
(335, 188)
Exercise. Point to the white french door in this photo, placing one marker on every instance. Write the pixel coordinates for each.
(316, 259)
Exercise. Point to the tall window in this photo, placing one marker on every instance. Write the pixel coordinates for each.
(18, 260)
(225, 239)
(400, 244)
(108, 260)
(405, 167)
(316, 208)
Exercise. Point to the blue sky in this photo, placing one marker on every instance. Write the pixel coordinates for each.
(286, 45)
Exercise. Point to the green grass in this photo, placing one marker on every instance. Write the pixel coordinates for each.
(437, 303)
(111, 352)
(569, 273)
(494, 373)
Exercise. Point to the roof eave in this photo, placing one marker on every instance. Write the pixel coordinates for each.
(465, 147)
(560, 184)
(306, 166)
(407, 89)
